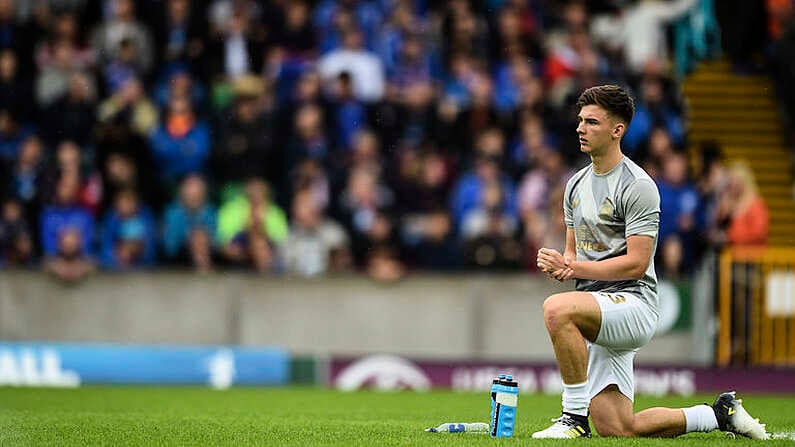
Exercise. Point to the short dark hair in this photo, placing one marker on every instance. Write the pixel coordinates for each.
(613, 98)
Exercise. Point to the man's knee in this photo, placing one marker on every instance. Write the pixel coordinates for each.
(557, 311)
(554, 312)
(573, 308)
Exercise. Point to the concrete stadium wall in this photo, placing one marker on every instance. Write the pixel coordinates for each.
(453, 316)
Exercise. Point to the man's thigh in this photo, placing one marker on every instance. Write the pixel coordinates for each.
(610, 367)
(581, 307)
(627, 322)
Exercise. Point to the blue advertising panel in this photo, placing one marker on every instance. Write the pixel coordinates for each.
(55, 364)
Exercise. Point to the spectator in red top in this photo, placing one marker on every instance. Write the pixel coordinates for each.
(744, 209)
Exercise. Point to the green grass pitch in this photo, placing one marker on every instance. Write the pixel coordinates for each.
(140, 416)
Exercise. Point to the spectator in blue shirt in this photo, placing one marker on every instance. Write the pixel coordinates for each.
(679, 203)
(469, 189)
(651, 110)
(331, 15)
(65, 213)
(12, 135)
(181, 145)
(69, 264)
(189, 224)
(16, 244)
(350, 114)
(128, 234)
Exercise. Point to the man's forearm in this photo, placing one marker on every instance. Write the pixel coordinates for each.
(614, 269)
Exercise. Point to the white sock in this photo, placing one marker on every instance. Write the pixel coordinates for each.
(700, 418)
(575, 399)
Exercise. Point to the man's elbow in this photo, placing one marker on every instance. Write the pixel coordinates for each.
(638, 270)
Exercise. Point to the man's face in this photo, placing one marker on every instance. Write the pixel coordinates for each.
(193, 193)
(305, 212)
(597, 129)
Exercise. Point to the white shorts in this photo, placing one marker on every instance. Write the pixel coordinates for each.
(628, 323)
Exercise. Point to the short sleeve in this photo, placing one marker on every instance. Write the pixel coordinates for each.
(641, 202)
(568, 207)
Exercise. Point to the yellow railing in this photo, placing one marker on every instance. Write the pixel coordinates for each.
(756, 307)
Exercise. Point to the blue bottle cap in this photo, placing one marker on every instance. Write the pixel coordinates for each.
(502, 376)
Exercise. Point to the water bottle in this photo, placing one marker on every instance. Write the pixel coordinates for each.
(494, 384)
(504, 396)
(460, 427)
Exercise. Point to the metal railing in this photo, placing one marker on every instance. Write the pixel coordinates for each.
(756, 307)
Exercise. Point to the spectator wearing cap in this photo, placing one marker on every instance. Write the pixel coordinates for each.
(245, 138)
(129, 234)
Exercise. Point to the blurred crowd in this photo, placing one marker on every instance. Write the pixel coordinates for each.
(302, 137)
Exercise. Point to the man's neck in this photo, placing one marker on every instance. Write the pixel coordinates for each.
(603, 163)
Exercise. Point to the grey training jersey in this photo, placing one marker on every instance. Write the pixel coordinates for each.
(603, 210)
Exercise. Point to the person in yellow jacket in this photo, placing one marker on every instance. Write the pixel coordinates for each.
(251, 227)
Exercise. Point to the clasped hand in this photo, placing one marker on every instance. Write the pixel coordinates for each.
(554, 264)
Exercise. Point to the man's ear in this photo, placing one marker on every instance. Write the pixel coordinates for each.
(619, 129)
